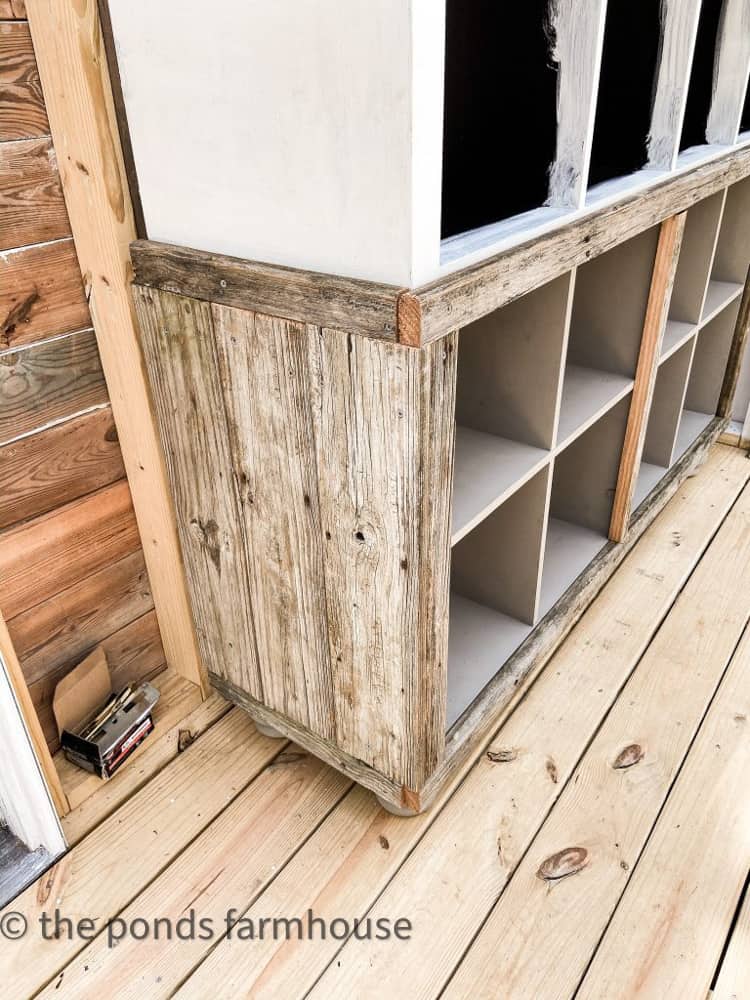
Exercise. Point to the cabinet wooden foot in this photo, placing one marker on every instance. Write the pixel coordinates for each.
(269, 731)
(395, 810)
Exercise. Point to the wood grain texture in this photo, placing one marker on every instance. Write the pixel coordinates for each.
(61, 631)
(662, 281)
(734, 973)
(45, 556)
(578, 31)
(178, 804)
(22, 114)
(32, 209)
(134, 653)
(34, 729)
(683, 894)
(736, 352)
(266, 382)
(73, 70)
(56, 465)
(679, 26)
(41, 294)
(180, 352)
(11, 9)
(48, 382)
(731, 71)
(305, 296)
(460, 298)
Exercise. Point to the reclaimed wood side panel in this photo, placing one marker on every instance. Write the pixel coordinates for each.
(679, 25)
(264, 368)
(32, 209)
(41, 294)
(48, 382)
(22, 112)
(45, 470)
(180, 353)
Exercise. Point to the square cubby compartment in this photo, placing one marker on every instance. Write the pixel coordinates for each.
(706, 376)
(583, 486)
(609, 307)
(506, 396)
(494, 591)
(693, 269)
(732, 252)
(663, 420)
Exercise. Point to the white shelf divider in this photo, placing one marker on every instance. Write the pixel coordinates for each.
(720, 294)
(691, 424)
(587, 395)
(676, 333)
(568, 551)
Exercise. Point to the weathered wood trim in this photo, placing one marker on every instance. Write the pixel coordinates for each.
(8, 654)
(483, 715)
(73, 70)
(736, 351)
(662, 281)
(452, 302)
(731, 71)
(285, 292)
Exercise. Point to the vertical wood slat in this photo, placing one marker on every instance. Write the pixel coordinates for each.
(679, 32)
(22, 114)
(70, 57)
(736, 351)
(263, 363)
(731, 71)
(665, 266)
(178, 344)
(578, 42)
(34, 729)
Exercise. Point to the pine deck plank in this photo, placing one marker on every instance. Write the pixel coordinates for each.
(100, 876)
(733, 981)
(234, 858)
(667, 934)
(345, 865)
(529, 946)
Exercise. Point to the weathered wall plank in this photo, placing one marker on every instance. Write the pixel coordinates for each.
(49, 381)
(22, 113)
(54, 466)
(32, 209)
(41, 294)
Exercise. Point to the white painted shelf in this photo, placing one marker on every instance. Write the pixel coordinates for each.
(691, 425)
(569, 550)
(587, 395)
(488, 469)
(648, 476)
(480, 641)
(718, 296)
(676, 333)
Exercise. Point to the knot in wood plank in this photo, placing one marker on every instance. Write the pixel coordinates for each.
(628, 756)
(568, 861)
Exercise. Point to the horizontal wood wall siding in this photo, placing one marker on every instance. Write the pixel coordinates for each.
(41, 294)
(11, 9)
(311, 470)
(134, 653)
(49, 381)
(40, 558)
(22, 113)
(54, 466)
(73, 571)
(458, 299)
(679, 30)
(32, 209)
(306, 296)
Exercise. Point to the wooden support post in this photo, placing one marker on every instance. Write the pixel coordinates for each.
(18, 683)
(729, 386)
(665, 266)
(72, 64)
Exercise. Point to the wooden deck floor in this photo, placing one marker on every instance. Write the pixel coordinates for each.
(598, 847)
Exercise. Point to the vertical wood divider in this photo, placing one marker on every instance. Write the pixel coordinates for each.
(72, 65)
(34, 729)
(665, 267)
(679, 32)
(731, 71)
(726, 398)
(579, 40)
